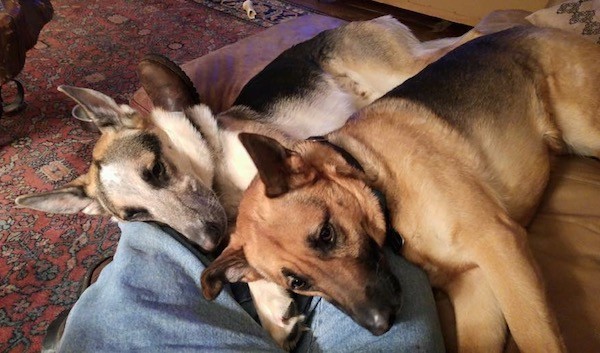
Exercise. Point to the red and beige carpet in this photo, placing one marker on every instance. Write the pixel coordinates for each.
(95, 44)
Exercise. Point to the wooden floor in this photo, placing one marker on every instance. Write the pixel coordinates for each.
(423, 26)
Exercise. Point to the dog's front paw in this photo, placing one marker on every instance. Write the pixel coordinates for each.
(278, 313)
(292, 326)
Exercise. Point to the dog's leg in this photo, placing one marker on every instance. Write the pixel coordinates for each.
(506, 262)
(581, 132)
(277, 313)
(341, 77)
(570, 94)
(480, 325)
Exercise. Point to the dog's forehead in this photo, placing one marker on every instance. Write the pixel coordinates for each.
(131, 146)
(290, 220)
(119, 163)
(308, 203)
(281, 227)
(125, 144)
(285, 217)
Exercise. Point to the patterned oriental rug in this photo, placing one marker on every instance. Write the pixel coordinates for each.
(95, 44)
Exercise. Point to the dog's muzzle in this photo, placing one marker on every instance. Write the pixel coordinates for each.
(381, 297)
(384, 301)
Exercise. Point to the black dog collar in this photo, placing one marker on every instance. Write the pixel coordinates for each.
(393, 238)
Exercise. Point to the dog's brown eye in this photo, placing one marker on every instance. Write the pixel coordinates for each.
(133, 214)
(158, 169)
(325, 240)
(157, 175)
(327, 234)
(296, 283)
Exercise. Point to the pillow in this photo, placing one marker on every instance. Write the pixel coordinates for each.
(582, 16)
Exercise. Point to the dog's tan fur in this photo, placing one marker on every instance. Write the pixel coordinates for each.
(460, 186)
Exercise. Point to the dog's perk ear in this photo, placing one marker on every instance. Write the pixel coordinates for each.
(279, 168)
(68, 199)
(102, 109)
(231, 266)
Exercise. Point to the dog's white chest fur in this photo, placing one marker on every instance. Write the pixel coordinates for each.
(237, 164)
(326, 111)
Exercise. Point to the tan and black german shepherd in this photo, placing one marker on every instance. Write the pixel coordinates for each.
(462, 153)
(188, 169)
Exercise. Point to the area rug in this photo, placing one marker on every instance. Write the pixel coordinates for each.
(95, 44)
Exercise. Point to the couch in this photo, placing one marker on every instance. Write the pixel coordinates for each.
(469, 12)
(565, 234)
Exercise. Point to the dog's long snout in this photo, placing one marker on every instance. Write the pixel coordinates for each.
(384, 299)
(204, 218)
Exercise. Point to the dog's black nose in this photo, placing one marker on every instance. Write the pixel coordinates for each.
(214, 233)
(380, 321)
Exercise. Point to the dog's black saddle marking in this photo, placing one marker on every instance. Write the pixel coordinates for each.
(293, 74)
(393, 237)
(499, 68)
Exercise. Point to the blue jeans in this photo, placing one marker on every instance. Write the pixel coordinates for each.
(148, 299)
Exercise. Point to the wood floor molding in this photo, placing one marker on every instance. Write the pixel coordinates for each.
(425, 27)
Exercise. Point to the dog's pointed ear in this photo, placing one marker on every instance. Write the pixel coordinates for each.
(69, 199)
(279, 168)
(102, 109)
(231, 266)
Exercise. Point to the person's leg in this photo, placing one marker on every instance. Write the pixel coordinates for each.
(148, 299)
(417, 327)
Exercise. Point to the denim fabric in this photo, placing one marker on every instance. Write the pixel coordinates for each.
(148, 299)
